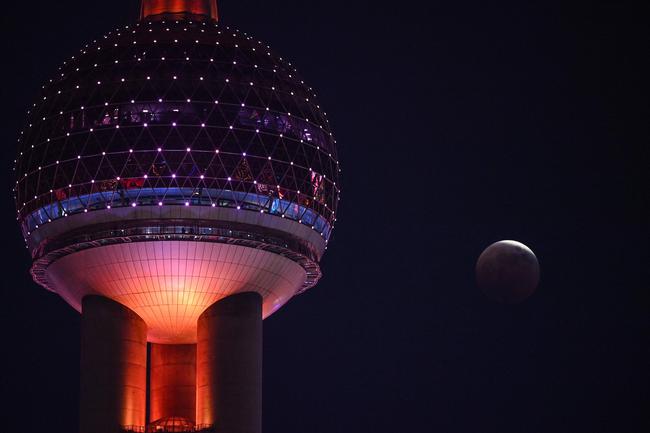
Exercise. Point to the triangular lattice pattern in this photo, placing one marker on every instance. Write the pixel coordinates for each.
(177, 113)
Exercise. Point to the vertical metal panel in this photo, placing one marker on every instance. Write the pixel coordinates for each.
(173, 381)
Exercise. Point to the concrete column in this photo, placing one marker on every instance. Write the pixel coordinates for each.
(229, 365)
(172, 381)
(113, 366)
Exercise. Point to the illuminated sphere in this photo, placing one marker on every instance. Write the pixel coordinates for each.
(508, 272)
(170, 164)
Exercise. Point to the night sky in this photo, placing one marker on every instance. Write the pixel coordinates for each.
(458, 124)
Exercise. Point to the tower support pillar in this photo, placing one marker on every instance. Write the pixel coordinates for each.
(172, 381)
(113, 367)
(229, 365)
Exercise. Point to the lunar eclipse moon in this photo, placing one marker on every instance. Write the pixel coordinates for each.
(508, 272)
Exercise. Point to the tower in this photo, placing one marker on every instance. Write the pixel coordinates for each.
(176, 183)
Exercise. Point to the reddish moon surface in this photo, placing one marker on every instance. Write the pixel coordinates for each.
(507, 272)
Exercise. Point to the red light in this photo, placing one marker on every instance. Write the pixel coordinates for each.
(196, 7)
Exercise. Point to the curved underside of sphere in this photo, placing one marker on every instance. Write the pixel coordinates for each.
(170, 283)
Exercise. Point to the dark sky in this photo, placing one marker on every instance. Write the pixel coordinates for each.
(459, 124)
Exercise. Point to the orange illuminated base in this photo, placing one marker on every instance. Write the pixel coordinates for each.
(170, 283)
(207, 8)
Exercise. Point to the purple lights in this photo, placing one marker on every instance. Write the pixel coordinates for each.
(225, 119)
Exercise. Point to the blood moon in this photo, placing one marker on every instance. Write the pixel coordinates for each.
(508, 272)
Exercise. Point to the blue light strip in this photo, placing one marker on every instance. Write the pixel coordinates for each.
(178, 197)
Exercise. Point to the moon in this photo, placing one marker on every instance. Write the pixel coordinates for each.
(507, 272)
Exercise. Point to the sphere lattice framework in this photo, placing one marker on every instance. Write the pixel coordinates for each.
(178, 133)
(175, 113)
